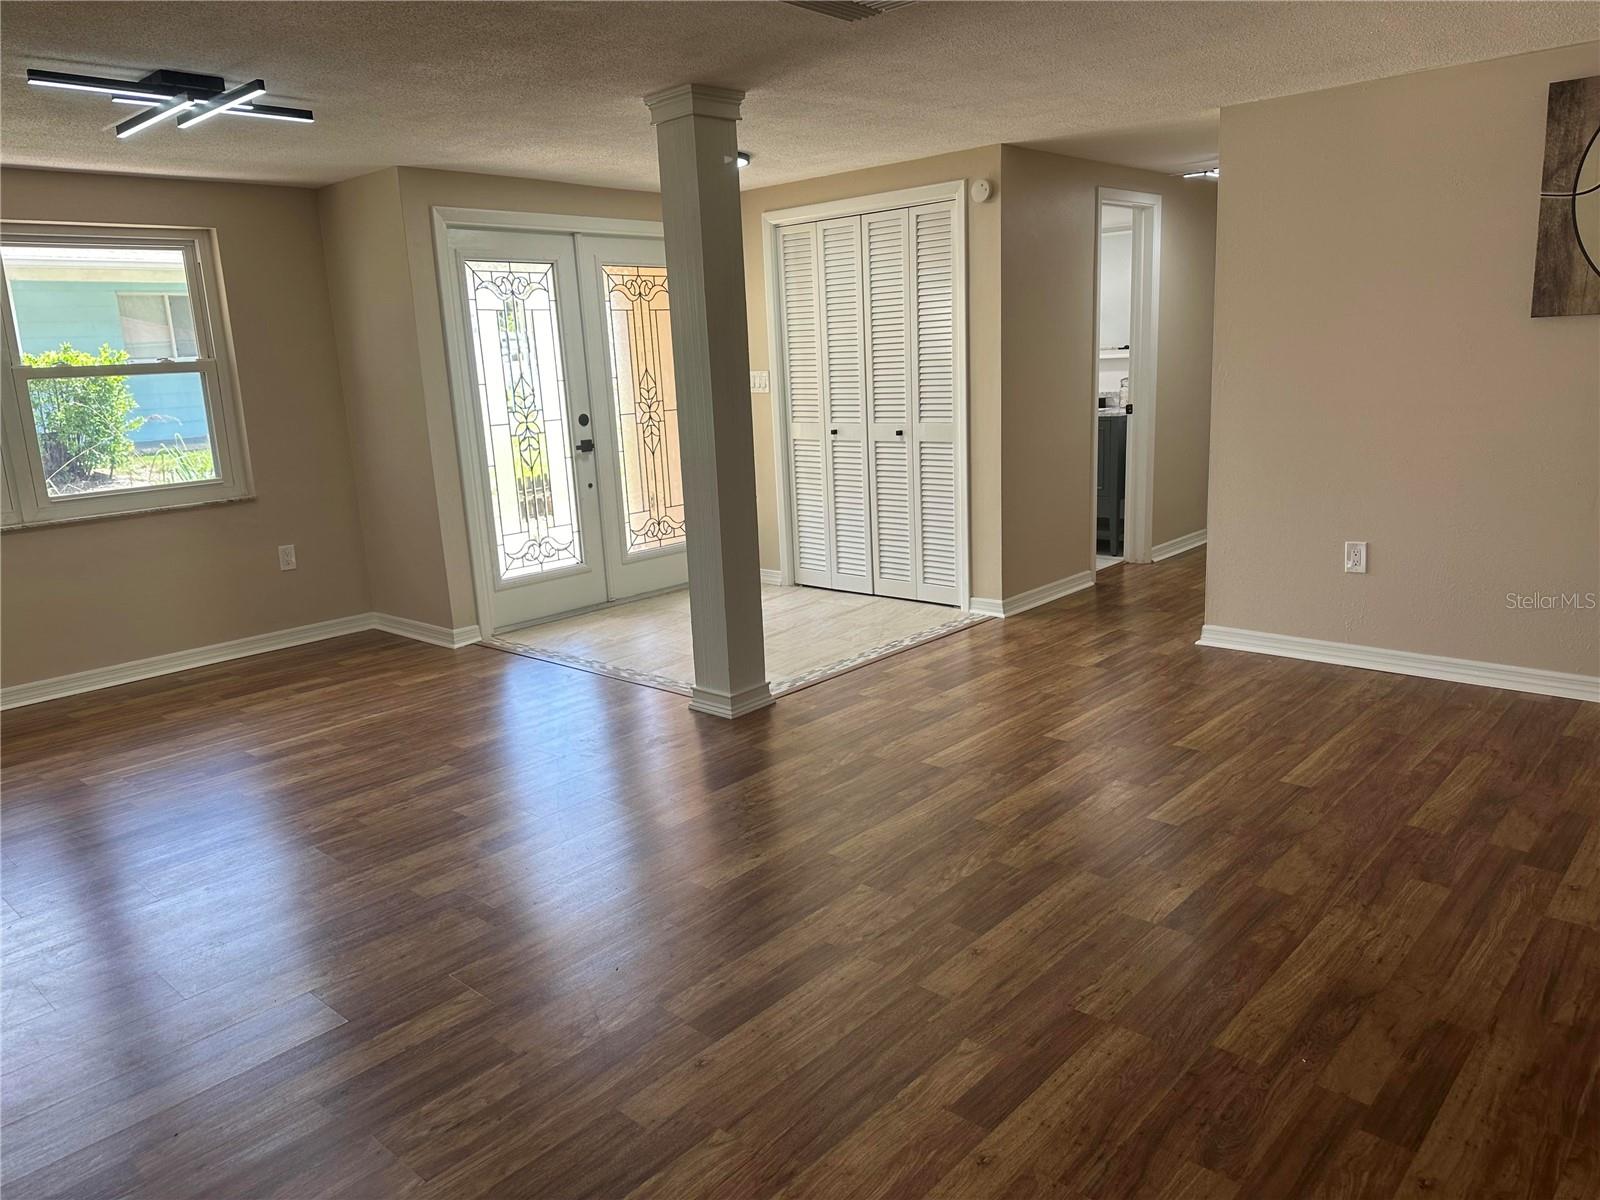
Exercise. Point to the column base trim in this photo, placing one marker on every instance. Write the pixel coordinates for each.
(721, 704)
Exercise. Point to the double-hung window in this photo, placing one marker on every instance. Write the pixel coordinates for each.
(119, 392)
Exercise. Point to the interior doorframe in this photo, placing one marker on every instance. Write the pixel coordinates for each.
(1144, 330)
(771, 223)
(462, 400)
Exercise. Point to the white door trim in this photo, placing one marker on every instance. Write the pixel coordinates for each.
(1138, 537)
(856, 206)
(445, 217)
(954, 192)
(458, 368)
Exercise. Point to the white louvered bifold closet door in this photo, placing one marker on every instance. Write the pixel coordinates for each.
(934, 395)
(870, 359)
(844, 395)
(887, 280)
(802, 372)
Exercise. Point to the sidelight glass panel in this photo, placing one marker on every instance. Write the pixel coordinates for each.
(522, 395)
(645, 400)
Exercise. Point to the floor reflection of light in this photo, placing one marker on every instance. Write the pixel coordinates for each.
(565, 798)
(598, 852)
(170, 882)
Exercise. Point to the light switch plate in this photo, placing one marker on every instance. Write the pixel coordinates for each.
(759, 382)
(286, 558)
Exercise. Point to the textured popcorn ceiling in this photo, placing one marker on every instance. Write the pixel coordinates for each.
(552, 90)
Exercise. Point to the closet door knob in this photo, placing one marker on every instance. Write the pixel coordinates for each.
(899, 433)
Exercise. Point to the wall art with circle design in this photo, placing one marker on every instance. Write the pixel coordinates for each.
(1566, 270)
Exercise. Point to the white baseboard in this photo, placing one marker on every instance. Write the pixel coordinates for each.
(717, 704)
(418, 631)
(180, 660)
(1404, 662)
(1178, 545)
(1023, 601)
(771, 576)
(96, 678)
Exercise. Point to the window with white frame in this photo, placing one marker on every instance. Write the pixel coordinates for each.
(118, 392)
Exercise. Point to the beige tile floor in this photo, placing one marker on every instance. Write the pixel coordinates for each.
(811, 633)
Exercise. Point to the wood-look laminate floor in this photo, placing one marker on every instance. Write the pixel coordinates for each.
(1057, 906)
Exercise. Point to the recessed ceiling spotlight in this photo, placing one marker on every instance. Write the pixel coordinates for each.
(743, 158)
(1208, 173)
(166, 93)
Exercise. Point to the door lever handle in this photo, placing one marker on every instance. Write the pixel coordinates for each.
(586, 446)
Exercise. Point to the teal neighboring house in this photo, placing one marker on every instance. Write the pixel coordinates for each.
(142, 308)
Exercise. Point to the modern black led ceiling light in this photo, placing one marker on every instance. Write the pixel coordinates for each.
(192, 99)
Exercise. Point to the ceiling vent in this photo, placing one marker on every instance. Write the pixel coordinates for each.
(850, 10)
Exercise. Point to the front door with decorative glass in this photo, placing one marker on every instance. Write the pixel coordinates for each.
(574, 418)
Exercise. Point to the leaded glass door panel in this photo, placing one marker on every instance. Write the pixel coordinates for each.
(534, 425)
(628, 327)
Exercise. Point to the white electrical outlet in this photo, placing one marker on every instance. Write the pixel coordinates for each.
(759, 382)
(286, 558)
(1355, 558)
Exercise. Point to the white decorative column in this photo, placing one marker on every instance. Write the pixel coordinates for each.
(697, 146)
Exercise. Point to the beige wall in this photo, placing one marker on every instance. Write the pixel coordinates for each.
(1378, 376)
(109, 591)
(983, 319)
(369, 284)
(1048, 358)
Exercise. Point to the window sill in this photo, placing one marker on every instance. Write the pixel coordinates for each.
(130, 514)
